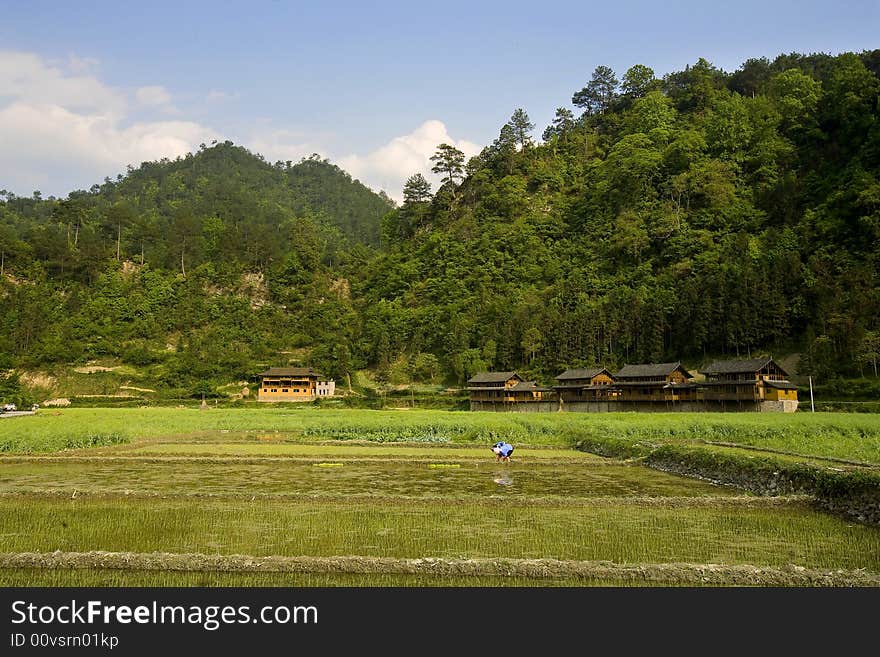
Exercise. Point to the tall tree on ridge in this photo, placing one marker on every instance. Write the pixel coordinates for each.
(562, 123)
(598, 95)
(416, 196)
(450, 164)
(416, 190)
(638, 81)
(522, 127)
(504, 147)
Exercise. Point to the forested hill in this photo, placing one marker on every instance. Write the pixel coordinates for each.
(696, 215)
(223, 190)
(681, 218)
(192, 268)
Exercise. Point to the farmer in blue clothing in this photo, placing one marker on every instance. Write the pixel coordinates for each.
(502, 451)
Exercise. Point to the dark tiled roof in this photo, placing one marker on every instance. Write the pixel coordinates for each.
(291, 371)
(781, 385)
(568, 387)
(582, 373)
(528, 386)
(492, 377)
(746, 366)
(649, 369)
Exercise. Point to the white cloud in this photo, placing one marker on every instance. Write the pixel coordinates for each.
(26, 77)
(385, 168)
(389, 166)
(81, 65)
(62, 129)
(154, 96)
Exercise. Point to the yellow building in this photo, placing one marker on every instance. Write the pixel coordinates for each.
(780, 391)
(751, 380)
(280, 384)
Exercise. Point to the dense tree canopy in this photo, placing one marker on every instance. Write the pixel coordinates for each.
(702, 214)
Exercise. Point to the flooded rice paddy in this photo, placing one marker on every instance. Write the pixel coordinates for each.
(363, 509)
(393, 477)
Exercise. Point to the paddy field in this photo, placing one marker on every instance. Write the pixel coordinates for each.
(317, 497)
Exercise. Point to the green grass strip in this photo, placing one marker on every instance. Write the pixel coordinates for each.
(494, 528)
(838, 435)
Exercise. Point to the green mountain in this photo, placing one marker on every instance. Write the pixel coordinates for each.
(231, 200)
(702, 214)
(193, 268)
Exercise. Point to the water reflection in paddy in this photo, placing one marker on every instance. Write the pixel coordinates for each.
(352, 477)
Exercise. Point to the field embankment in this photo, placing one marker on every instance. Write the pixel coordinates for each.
(840, 486)
(162, 569)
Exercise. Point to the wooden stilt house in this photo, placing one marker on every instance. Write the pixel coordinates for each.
(504, 387)
(585, 385)
(655, 382)
(752, 380)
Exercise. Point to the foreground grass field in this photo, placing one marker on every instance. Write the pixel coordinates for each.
(835, 435)
(303, 497)
(603, 530)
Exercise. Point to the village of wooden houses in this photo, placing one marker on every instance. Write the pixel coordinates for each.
(757, 384)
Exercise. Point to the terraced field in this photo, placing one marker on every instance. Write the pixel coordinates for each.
(299, 508)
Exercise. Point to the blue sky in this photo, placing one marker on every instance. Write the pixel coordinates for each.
(89, 87)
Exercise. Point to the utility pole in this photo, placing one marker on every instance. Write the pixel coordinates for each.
(812, 405)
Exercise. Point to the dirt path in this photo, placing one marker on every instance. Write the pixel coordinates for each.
(673, 573)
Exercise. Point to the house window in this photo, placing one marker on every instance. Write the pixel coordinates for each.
(274, 389)
(265, 389)
(283, 389)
